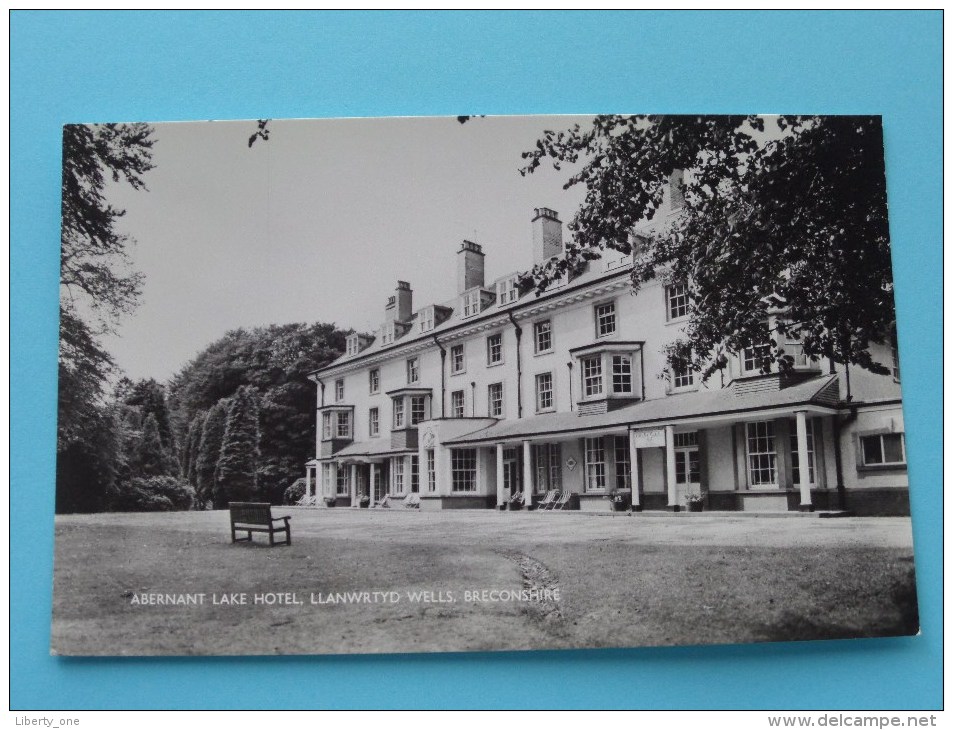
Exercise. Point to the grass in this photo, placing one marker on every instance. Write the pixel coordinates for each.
(623, 581)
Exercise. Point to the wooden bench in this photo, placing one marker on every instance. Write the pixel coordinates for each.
(252, 517)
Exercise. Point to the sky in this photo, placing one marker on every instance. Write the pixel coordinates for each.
(319, 222)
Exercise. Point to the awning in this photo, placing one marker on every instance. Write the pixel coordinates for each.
(818, 394)
(368, 451)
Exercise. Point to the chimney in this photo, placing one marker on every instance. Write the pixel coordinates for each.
(470, 262)
(400, 307)
(547, 235)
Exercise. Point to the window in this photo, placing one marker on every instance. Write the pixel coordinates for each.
(344, 425)
(506, 290)
(397, 474)
(548, 467)
(592, 376)
(327, 486)
(682, 376)
(471, 303)
(623, 469)
(343, 483)
(495, 400)
(374, 422)
(544, 392)
(352, 345)
(413, 370)
(762, 455)
(398, 413)
(418, 409)
(414, 473)
(463, 470)
(795, 457)
(457, 404)
(494, 349)
(426, 319)
(387, 334)
(339, 390)
(753, 359)
(595, 464)
(622, 374)
(885, 449)
(677, 297)
(605, 319)
(895, 363)
(431, 471)
(374, 381)
(543, 336)
(326, 426)
(457, 363)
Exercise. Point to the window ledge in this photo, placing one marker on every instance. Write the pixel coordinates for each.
(874, 468)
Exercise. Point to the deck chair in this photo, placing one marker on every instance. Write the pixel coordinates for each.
(516, 501)
(564, 500)
(412, 501)
(384, 503)
(548, 500)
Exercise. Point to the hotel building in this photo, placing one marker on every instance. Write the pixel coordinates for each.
(493, 393)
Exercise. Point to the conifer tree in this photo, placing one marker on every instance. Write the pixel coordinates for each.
(191, 450)
(236, 477)
(150, 458)
(210, 446)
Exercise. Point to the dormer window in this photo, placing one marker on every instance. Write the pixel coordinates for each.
(471, 303)
(388, 334)
(507, 291)
(352, 345)
(425, 320)
(754, 360)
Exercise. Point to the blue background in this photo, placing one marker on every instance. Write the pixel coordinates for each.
(159, 66)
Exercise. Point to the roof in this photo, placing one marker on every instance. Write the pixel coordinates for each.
(659, 410)
(456, 318)
(374, 447)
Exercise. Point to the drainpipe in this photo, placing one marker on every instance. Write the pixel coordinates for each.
(839, 423)
(519, 367)
(321, 387)
(443, 370)
(473, 398)
(569, 365)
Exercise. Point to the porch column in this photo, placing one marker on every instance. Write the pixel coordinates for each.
(307, 481)
(373, 480)
(670, 468)
(500, 498)
(354, 486)
(803, 472)
(527, 475)
(634, 471)
(332, 489)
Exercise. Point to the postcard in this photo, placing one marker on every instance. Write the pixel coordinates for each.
(477, 383)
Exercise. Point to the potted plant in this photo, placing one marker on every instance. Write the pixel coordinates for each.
(364, 500)
(330, 501)
(694, 501)
(618, 501)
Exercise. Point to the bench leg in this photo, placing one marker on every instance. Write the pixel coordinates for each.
(271, 537)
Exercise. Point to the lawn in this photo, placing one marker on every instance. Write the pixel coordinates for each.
(651, 579)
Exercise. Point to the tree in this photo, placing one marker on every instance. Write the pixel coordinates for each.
(792, 218)
(149, 396)
(210, 447)
(236, 475)
(96, 289)
(277, 361)
(150, 458)
(191, 450)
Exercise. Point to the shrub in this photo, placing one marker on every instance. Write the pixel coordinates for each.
(153, 494)
(295, 492)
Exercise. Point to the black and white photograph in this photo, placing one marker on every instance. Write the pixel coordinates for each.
(477, 383)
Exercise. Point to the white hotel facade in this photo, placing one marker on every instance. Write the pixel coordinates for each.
(468, 402)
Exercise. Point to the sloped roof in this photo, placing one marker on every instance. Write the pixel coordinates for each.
(652, 412)
(456, 318)
(373, 447)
